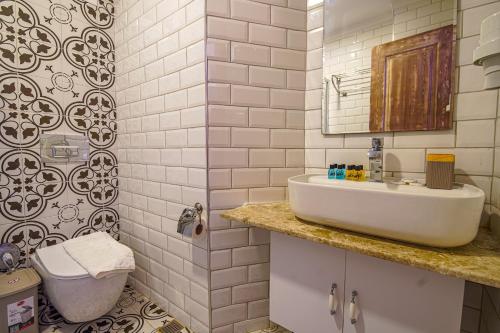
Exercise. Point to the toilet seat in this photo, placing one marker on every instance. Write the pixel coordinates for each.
(59, 265)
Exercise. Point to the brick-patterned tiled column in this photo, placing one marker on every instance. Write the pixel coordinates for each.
(256, 81)
(161, 112)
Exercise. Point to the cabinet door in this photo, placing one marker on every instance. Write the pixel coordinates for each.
(302, 274)
(394, 298)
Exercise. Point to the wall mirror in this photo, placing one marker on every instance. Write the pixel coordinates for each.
(388, 65)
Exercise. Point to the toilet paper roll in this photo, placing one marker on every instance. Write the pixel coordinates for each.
(199, 229)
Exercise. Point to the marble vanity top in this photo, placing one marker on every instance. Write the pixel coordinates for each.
(478, 261)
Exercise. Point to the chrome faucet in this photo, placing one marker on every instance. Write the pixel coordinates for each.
(376, 160)
(188, 217)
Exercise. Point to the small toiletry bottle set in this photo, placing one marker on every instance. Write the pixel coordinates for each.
(352, 172)
(332, 171)
(337, 171)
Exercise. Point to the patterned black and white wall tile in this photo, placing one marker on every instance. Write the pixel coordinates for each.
(57, 74)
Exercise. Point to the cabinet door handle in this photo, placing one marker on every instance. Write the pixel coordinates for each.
(353, 308)
(333, 301)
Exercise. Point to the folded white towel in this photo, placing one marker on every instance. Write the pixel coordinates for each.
(100, 254)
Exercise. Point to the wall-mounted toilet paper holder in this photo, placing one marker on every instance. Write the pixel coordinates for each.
(189, 216)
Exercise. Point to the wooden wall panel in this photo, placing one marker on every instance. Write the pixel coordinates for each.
(412, 82)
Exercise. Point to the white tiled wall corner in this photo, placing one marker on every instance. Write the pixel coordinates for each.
(263, 63)
(473, 138)
(162, 153)
(256, 82)
(490, 309)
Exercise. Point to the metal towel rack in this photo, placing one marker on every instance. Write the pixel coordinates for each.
(352, 83)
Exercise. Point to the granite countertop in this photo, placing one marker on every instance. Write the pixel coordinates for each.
(478, 261)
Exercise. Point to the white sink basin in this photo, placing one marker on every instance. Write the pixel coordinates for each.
(416, 214)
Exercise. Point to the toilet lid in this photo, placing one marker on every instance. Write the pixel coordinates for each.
(59, 264)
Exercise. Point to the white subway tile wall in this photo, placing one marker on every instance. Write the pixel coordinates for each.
(263, 70)
(161, 98)
(490, 315)
(256, 51)
(474, 138)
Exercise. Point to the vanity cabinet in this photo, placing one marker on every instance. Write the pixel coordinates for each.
(388, 297)
(303, 275)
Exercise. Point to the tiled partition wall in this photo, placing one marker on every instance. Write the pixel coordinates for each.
(56, 77)
(490, 319)
(256, 81)
(472, 140)
(162, 151)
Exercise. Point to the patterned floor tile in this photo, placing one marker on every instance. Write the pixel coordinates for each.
(274, 329)
(133, 313)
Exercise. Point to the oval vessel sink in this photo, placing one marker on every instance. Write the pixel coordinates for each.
(415, 214)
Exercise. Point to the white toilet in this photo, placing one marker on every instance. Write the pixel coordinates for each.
(76, 295)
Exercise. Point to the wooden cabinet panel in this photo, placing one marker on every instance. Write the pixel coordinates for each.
(409, 89)
(393, 298)
(302, 274)
(412, 80)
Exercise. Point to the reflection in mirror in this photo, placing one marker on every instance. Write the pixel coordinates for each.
(388, 65)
